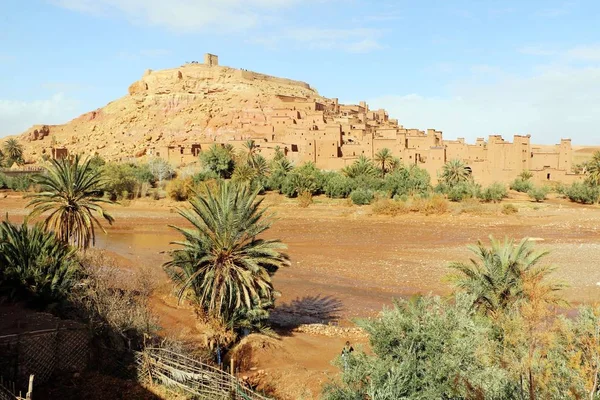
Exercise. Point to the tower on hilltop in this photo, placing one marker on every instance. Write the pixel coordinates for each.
(211, 60)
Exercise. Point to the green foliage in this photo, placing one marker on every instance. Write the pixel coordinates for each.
(497, 276)
(338, 186)
(219, 159)
(494, 193)
(455, 172)
(69, 192)
(362, 196)
(280, 168)
(461, 191)
(525, 175)
(521, 185)
(427, 348)
(583, 193)
(13, 152)
(306, 178)
(18, 183)
(35, 266)
(407, 181)
(593, 170)
(384, 159)
(538, 193)
(223, 266)
(124, 181)
(178, 189)
(361, 167)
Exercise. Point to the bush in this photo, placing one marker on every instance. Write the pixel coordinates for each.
(219, 160)
(120, 179)
(435, 204)
(538, 193)
(521, 185)
(389, 207)
(462, 191)
(583, 193)
(408, 181)
(179, 189)
(305, 199)
(307, 178)
(509, 209)
(338, 186)
(494, 193)
(361, 196)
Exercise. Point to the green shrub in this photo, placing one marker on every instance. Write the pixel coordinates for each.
(3, 181)
(361, 196)
(583, 193)
(538, 193)
(494, 193)
(521, 185)
(408, 181)
(178, 189)
(307, 178)
(462, 191)
(218, 159)
(338, 186)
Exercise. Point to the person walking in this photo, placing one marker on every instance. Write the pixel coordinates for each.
(346, 354)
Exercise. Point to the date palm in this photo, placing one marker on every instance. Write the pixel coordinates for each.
(385, 159)
(250, 146)
(455, 172)
(34, 265)
(361, 167)
(504, 275)
(13, 151)
(70, 193)
(593, 170)
(222, 265)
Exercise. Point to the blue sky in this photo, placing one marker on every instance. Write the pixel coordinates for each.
(468, 68)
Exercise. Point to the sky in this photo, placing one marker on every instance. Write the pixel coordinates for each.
(470, 68)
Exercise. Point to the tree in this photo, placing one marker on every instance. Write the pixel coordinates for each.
(160, 169)
(34, 265)
(219, 159)
(385, 158)
(455, 172)
(503, 276)
(13, 151)
(250, 146)
(361, 167)
(69, 190)
(427, 348)
(593, 170)
(222, 265)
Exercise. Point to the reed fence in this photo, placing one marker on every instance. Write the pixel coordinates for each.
(43, 353)
(192, 377)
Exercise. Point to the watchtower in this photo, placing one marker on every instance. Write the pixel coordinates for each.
(211, 60)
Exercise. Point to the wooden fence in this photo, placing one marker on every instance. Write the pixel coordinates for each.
(8, 390)
(184, 374)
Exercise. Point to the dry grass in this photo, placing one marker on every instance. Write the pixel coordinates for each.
(509, 209)
(305, 199)
(436, 204)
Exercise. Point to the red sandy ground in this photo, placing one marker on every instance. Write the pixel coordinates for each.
(346, 254)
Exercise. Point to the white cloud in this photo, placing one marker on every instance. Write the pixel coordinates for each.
(352, 40)
(557, 102)
(17, 116)
(184, 15)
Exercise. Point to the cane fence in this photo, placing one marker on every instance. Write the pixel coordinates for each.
(184, 374)
(43, 353)
(8, 390)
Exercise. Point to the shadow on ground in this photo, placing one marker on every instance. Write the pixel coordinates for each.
(317, 309)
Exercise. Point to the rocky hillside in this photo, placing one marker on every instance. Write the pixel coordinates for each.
(190, 103)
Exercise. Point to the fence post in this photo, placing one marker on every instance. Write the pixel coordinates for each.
(232, 366)
(29, 388)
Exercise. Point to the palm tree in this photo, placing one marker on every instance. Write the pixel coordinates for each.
(243, 173)
(70, 192)
(385, 158)
(593, 170)
(455, 172)
(35, 265)
(361, 167)
(250, 146)
(222, 265)
(504, 275)
(14, 151)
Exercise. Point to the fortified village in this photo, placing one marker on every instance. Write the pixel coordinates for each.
(175, 114)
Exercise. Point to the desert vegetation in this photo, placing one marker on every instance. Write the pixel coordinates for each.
(498, 336)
